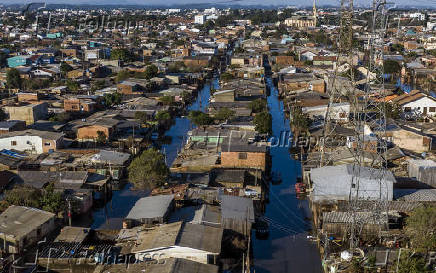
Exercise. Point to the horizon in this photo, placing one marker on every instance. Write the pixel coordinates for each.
(236, 3)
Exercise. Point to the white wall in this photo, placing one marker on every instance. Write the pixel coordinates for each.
(418, 105)
(195, 255)
(24, 143)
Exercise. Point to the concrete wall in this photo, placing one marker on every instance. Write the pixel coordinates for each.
(191, 254)
(23, 143)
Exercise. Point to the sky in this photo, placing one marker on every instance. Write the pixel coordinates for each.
(431, 3)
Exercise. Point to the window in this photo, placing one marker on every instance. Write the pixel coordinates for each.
(407, 109)
(242, 156)
(432, 109)
(13, 143)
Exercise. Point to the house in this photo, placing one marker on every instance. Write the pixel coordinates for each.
(33, 141)
(229, 178)
(150, 210)
(236, 154)
(110, 162)
(169, 265)
(334, 183)
(408, 138)
(11, 125)
(416, 103)
(79, 105)
(22, 227)
(324, 60)
(198, 243)
(423, 170)
(237, 213)
(19, 61)
(28, 97)
(196, 61)
(339, 112)
(28, 113)
(224, 96)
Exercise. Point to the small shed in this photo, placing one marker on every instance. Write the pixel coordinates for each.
(237, 213)
(151, 210)
(423, 170)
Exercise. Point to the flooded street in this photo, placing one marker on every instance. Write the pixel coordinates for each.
(287, 248)
(112, 215)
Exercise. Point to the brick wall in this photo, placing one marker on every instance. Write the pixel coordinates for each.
(234, 159)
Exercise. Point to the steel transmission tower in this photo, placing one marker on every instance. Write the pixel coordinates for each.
(336, 90)
(368, 118)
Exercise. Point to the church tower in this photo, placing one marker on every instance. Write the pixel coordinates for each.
(315, 13)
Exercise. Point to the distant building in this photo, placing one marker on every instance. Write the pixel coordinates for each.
(151, 210)
(31, 140)
(19, 61)
(28, 113)
(22, 227)
(199, 19)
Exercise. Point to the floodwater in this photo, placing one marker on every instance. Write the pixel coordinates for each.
(287, 249)
(113, 213)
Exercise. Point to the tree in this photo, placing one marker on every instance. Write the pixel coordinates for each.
(258, 105)
(3, 115)
(148, 170)
(65, 68)
(263, 122)
(199, 118)
(13, 79)
(51, 200)
(101, 137)
(397, 48)
(224, 114)
(411, 264)
(163, 116)
(142, 117)
(121, 54)
(391, 67)
(226, 76)
(167, 100)
(421, 228)
(113, 98)
(122, 75)
(393, 110)
(151, 71)
(73, 86)
(299, 121)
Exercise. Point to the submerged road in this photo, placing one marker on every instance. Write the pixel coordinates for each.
(112, 214)
(287, 249)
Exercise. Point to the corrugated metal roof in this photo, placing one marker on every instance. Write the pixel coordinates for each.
(150, 207)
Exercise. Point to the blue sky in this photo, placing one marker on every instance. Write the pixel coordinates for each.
(240, 2)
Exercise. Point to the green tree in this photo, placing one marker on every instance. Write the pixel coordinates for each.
(51, 200)
(421, 228)
(167, 100)
(199, 118)
(142, 117)
(122, 75)
(148, 170)
(411, 264)
(73, 86)
(299, 121)
(392, 67)
(101, 137)
(3, 115)
(151, 71)
(13, 79)
(393, 110)
(65, 68)
(113, 98)
(397, 48)
(226, 76)
(121, 54)
(263, 122)
(224, 114)
(163, 116)
(258, 105)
